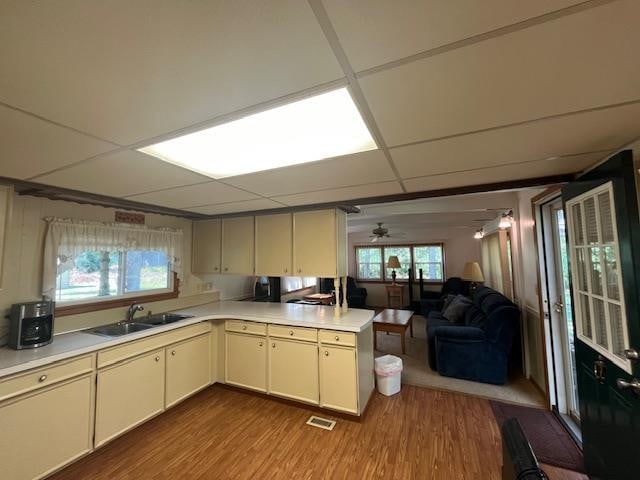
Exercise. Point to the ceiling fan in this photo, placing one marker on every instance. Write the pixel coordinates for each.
(382, 232)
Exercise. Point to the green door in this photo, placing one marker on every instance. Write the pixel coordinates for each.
(604, 242)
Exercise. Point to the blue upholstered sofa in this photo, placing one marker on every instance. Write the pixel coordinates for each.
(478, 348)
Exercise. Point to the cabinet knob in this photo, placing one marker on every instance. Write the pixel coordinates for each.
(290, 332)
(173, 352)
(244, 327)
(42, 378)
(285, 270)
(299, 270)
(337, 338)
(273, 345)
(260, 344)
(157, 359)
(215, 269)
(226, 269)
(326, 354)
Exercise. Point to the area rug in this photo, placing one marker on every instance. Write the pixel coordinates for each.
(551, 443)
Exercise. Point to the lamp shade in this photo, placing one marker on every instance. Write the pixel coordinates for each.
(393, 262)
(472, 272)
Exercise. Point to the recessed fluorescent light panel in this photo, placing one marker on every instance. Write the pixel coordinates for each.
(315, 128)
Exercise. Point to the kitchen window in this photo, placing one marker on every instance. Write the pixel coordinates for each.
(371, 262)
(92, 266)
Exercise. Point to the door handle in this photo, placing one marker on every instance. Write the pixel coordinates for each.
(631, 354)
(634, 385)
(599, 369)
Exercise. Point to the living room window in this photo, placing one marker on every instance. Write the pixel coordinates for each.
(371, 262)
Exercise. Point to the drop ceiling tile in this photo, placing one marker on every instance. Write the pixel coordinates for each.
(552, 68)
(31, 146)
(237, 207)
(357, 169)
(167, 66)
(504, 173)
(194, 195)
(122, 173)
(586, 132)
(373, 32)
(339, 194)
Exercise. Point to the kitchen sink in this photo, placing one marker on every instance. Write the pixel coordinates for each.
(165, 318)
(119, 329)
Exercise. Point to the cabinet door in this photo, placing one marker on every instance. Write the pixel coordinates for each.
(338, 379)
(46, 430)
(237, 245)
(246, 361)
(206, 246)
(188, 368)
(293, 370)
(274, 245)
(128, 394)
(314, 243)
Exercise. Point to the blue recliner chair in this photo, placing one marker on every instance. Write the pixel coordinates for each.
(478, 349)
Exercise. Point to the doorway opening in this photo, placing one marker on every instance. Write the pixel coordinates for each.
(558, 313)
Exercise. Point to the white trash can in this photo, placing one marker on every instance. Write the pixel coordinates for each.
(388, 372)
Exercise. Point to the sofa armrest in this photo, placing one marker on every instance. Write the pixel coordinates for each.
(460, 334)
(360, 291)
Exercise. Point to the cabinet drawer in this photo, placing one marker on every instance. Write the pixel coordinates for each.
(44, 376)
(335, 337)
(131, 349)
(297, 333)
(242, 326)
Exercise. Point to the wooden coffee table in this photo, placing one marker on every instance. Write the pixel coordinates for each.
(395, 321)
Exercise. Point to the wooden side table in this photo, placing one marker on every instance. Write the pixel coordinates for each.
(395, 296)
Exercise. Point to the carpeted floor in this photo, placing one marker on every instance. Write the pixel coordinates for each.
(549, 440)
(416, 371)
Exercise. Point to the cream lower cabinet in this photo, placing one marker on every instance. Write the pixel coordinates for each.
(46, 429)
(128, 394)
(246, 361)
(188, 368)
(338, 378)
(293, 370)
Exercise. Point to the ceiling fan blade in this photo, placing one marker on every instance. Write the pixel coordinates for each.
(374, 239)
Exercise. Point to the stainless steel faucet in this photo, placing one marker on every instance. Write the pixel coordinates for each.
(133, 308)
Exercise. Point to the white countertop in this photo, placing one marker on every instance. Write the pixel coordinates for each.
(69, 345)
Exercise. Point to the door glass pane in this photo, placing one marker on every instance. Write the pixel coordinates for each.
(585, 316)
(582, 269)
(611, 273)
(600, 322)
(606, 220)
(577, 224)
(617, 334)
(590, 220)
(595, 270)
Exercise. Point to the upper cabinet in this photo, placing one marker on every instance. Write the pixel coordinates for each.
(274, 245)
(207, 237)
(6, 196)
(320, 243)
(310, 244)
(238, 246)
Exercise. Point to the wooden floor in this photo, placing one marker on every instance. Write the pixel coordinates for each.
(226, 434)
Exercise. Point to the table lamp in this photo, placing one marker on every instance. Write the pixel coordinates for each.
(393, 263)
(473, 273)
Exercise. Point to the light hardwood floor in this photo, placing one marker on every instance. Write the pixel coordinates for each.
(222, 433)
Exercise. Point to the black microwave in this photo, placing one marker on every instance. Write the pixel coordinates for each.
(31, 324)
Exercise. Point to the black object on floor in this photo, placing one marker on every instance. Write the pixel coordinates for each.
(519, 461)
(550, 442)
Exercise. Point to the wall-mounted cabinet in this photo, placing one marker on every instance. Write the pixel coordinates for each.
(320, 243)
(310, 244)
(238, 245)
(274, 245)
(206, 246)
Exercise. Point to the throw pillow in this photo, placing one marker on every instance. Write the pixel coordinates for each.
(447, 301)
(457, 309)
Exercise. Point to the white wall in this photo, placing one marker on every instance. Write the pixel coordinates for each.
(459, 247)
(24, 253)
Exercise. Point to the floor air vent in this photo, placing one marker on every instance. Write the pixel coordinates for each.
(321, 422)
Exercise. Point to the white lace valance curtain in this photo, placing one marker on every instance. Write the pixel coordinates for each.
(66, 239)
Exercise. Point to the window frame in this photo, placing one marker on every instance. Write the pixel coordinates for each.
(411, 246)
(93, 304)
